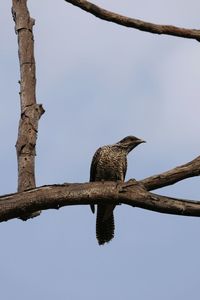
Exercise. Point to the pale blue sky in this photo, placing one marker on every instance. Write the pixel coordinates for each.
(99, 82)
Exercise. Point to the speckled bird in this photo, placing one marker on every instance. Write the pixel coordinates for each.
(109, 163)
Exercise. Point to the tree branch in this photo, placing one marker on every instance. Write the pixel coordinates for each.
(56, 196)
(172, 176)
(30, 110)
(135, 23)
(134, 193)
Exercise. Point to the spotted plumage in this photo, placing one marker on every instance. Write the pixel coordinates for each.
(109, 163)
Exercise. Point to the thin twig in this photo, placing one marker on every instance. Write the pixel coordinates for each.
(135, 23)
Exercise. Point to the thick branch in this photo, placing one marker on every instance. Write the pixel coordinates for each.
(30, 110)
(56, 196)
(135, 23)
(132, 193)
(172, 176)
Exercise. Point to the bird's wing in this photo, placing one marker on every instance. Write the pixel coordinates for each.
(93, 169)
(94, 164)
(124, 169)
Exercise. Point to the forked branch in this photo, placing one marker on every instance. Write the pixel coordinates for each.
(134, 193)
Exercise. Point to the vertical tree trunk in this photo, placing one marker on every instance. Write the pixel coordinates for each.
(30, 110)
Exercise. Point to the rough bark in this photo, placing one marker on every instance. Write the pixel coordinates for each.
(134, 193)
(30, 110)
(135, 23)
(29, 200)
(172, 176)
(55, 196)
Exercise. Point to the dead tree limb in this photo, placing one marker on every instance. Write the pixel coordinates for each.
(134, 193)
(55, 196)
(172, 176)
(29, 200)
(30, 110)
(135, 23)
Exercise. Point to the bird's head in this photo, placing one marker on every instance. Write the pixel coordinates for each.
(130, 142)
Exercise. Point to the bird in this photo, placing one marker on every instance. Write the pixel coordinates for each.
(109, 163)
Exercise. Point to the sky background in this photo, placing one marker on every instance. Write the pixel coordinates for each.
(99, 82)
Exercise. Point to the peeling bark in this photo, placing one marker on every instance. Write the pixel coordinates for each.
(30, 110)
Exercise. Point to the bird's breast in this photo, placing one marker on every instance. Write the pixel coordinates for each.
(110, 165)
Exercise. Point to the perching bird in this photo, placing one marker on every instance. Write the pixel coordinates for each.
(109, 163)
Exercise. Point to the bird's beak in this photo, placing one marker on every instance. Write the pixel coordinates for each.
(141, 141)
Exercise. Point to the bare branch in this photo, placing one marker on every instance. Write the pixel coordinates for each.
(56, 196)
(135, 23)
(25, 203)
(172, 176)
(30, 110)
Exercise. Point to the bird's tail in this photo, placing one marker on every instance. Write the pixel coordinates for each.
(105, 225)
